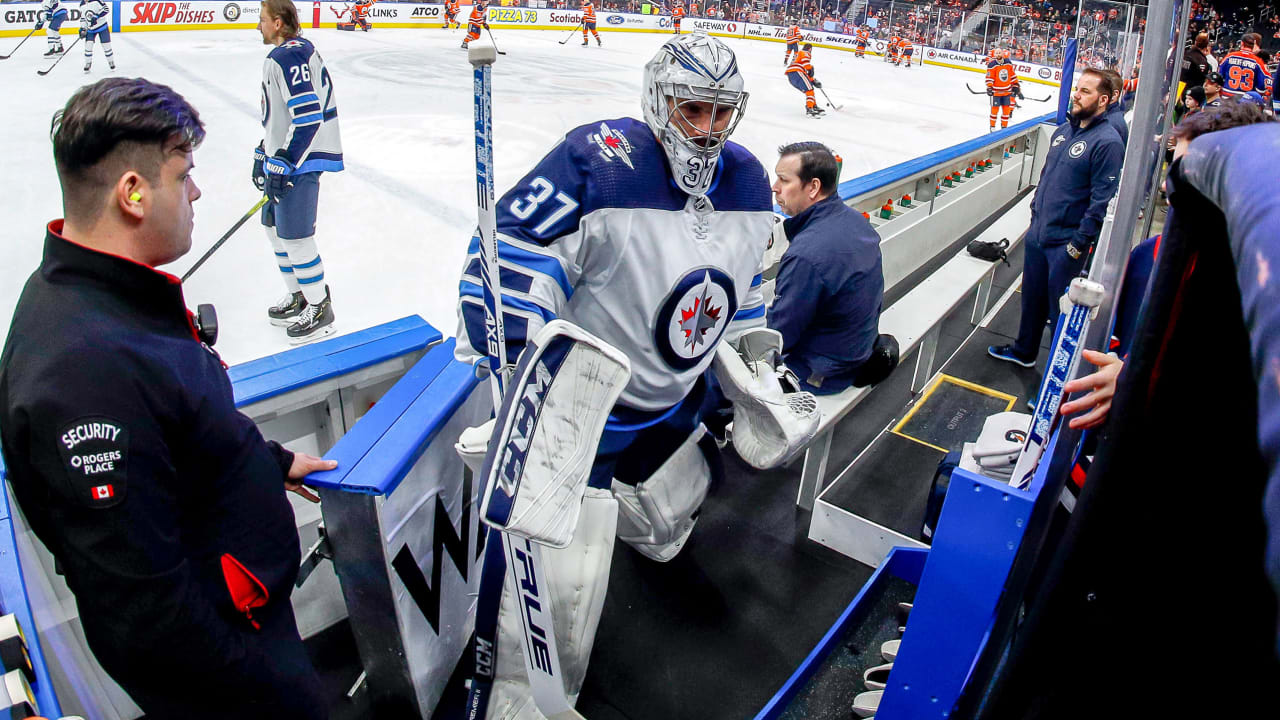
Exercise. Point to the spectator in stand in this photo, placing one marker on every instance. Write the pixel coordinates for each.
(830, 285)
(1079, 177)
(1115, 109)
(1244, 70)
(1195, 64)
(1212, 90)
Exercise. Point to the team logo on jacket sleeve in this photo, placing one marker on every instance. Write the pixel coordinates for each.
(694, 317)
(613, 144)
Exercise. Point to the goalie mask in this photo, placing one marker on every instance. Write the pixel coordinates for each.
(693, 99)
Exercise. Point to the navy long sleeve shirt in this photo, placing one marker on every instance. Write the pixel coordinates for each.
(829, 292)
(1080, 175)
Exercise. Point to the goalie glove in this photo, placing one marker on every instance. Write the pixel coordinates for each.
(772, 420)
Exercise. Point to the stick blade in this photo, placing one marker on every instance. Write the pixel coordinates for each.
(479, 55)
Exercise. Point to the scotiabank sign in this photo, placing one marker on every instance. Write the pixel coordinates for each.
(171, 13)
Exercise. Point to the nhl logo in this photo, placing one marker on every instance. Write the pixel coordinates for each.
(694, 317)
(231, 11)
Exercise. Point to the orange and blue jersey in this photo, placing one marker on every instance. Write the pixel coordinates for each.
(588, 13)
(477, 15)
(451, 7)
(861, 35)
(802, 63)
(1243, 72)
(677, 12)
(1001, 77)
(793, 35)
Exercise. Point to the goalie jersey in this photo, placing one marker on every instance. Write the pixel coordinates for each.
(598, 234)
(299, 110)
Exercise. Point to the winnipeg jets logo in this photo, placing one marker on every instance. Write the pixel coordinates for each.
(1077, 149)
(613, 144)
(697, 320)
(694, 316)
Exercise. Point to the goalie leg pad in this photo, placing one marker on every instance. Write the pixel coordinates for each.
(770, 425)
(656, 516)
(547, 431)
(578, 577)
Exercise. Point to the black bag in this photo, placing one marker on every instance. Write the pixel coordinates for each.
(883, 359)
(990, 250)
(938, 493)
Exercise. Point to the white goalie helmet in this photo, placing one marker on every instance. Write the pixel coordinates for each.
(692, 69)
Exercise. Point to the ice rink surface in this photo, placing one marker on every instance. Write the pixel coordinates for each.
(394, 226)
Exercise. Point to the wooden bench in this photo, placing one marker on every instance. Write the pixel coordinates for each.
(915, 320)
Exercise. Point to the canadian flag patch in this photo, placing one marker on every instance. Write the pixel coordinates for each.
(102, 492)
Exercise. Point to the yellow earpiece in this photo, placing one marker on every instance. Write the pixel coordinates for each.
(135, 197)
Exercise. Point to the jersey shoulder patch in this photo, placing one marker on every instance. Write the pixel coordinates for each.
(95, 460)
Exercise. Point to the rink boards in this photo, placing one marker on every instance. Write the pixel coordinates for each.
(17, 19)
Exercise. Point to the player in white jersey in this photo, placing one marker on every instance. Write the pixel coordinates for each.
(94, 15)
(650, 235)
(52, 12)
(300, 118)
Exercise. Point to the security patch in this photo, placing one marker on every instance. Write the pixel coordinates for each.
(95, 456)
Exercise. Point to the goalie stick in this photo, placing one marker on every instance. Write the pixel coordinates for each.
(65, 53)
(6, 57)
(1084, 296)
(503, 549)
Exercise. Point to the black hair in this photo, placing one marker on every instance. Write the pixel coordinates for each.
(112, 126)
(816, 161)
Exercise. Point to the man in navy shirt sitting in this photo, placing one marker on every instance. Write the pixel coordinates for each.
(830, 285)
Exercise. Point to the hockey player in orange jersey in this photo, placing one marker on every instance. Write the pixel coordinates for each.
(905, 51)
(891, 49)
(677, 13)
(589, 22)
(359, 16)
(451, 14)
(800, 75)
(1002, 87)
(475, 22)
(861, 37)
(793, 43)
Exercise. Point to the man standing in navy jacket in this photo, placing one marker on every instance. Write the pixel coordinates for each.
(1080, 175)
(830, 284)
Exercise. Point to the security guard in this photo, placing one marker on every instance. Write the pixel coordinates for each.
(1080, 175)
(163, 505)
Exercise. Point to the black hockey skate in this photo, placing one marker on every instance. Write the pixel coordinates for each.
(815, 112)
(287, 311)
(53, 51)
(315, 322)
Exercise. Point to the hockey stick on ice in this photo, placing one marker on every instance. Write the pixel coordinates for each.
(1036, 99)
(571, 32)
(828, 97)
(225, 236)
(1085, 296)
(65, 53)
(975, 92)
(495, 42)
(6, 57)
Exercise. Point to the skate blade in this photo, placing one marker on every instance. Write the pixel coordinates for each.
(325, 331)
